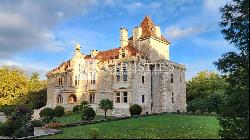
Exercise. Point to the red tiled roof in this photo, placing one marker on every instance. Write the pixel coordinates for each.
(147, 26)
(107, 55)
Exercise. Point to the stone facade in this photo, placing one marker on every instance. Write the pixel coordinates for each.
(138, 72)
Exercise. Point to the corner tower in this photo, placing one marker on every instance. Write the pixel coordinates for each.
(148, 39)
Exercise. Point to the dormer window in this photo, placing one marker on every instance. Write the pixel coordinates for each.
(123, 54)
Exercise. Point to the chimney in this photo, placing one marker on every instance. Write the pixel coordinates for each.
(94, 53)
(157, 31)
(77, 49)
(123, 37)
(137, 32)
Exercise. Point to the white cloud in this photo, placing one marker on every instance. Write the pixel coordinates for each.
(28, 24)
(175, 32)
(213, 5)
(27, 66)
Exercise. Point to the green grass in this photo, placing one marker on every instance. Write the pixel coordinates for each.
(165, 126)
(70, 118)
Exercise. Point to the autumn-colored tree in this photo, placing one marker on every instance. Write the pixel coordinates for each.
(13, 85)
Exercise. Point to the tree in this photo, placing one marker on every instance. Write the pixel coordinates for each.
(106, 105)
(204, 84)
(234, 117)
(13, 85)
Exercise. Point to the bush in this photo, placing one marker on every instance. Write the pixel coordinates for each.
(59, 111)
(76, 109)
(24, 131)
(37, 123)
(47, 112)
(8, 109)
(88, 113)
(23, 110)
(135, 109)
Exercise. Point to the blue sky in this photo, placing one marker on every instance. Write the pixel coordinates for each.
(39, 35)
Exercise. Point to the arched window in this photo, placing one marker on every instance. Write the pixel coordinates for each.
(72, 99)
(59, 98)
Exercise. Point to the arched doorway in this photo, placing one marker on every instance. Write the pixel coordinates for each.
(72, 99)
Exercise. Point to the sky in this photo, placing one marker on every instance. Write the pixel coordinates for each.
(37, 36)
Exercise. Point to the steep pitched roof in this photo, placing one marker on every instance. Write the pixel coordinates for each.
(147, 26)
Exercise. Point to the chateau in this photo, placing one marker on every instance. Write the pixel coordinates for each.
(137, 72)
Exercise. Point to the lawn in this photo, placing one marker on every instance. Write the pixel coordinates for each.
(165, 126)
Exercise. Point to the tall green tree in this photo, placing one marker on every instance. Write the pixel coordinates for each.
(205, 92)
(234, 117)
(204, 84)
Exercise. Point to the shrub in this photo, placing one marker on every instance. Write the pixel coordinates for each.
(135, 109)
(24, 131)
(76, 109)
(23, 110)
(4, 129)
(59, 111)
(8, 109)
(88, 113)
(37, 123)
(47, 112)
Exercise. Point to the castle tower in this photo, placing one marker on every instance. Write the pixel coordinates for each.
(123, 37)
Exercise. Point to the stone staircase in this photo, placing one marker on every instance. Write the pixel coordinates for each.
(36, 115)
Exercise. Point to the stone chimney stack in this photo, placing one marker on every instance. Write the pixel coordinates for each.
(157, 31)
(94, 53)
(123, 37)
(137, 32)
(77, 49)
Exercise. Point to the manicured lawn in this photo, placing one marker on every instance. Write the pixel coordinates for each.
(75, 118)
(165, 126)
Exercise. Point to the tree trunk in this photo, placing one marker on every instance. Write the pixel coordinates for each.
(105, 114)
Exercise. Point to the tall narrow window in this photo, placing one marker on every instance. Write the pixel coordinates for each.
(180, 78)
(59, 99)
(125, 97)
(60, 81)
(118, 97)
(172, 97)
(143, 98)
(172, 78)
(70, 80)
(118, 73)
(76, 81)
(92, 80)
(92, 98)
(125, 74)
(142, 79)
